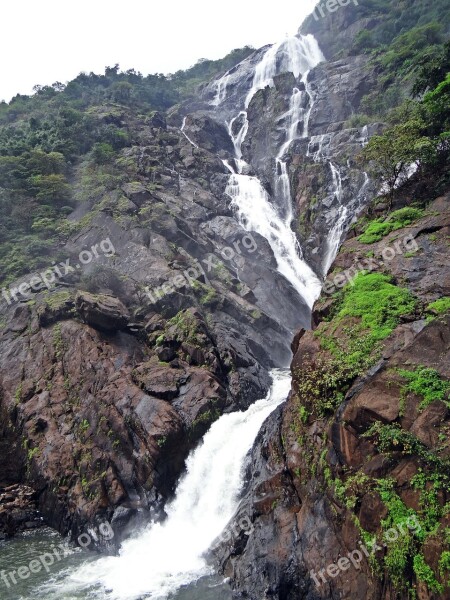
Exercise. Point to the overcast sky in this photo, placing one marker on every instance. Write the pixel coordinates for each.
(43, 41)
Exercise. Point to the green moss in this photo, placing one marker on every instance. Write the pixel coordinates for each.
(202, 422)
(425, 573)
(186, 328)
(377, 305)
(392, 438)
(58, 340)
(440, 306)
(377, 302)
(84, 425)
(18, 393)
(209, 297)
(32, 452)
(303, 414)
(444, 566)
(406, 550)
(161, 441)
(426, 383)
(379, 228)
(57, 299)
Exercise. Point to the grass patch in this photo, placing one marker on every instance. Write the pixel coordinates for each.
(379, 228)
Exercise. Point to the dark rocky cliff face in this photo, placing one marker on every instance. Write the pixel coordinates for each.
(354, 452)
(105, 391)
(326, 480)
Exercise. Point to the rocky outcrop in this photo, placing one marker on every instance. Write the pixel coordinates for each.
(18, 510)
(100, 410)
(354, 453)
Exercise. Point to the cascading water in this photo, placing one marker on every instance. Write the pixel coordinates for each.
(256, 213)
(294, 55)
(221, 90)
(335, 235)
(186, 135)
(319, 150)
(252, 203)
(282, 183)
(170, 555)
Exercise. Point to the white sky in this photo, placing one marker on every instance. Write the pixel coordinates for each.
(43, 41)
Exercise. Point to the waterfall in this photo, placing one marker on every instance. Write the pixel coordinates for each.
(282, 183)
(239, 137)
(254, 209)
(169, 555)
(256, 213)
(186, 135)
(221, 92)
(335, 235)
(294, 55)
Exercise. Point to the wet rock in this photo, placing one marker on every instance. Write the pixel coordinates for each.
(102, 312)
(18, 510)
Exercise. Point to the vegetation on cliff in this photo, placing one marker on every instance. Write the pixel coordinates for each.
(65, 145)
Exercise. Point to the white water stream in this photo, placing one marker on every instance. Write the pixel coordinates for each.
(170, 555)
(186, 135)
(254, 209)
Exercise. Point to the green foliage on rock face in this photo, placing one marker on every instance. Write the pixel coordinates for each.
(426, 383)
(324, 384)
(379, 303)
(369, 308)
(408, 549)
(67, 144)
(379, 228)
(433, 69)
(440, 306)
(425, 573)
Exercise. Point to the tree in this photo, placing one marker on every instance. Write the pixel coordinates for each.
(43, 163)
(121, 91)
(437, 105)
(434, 66)
(51, 189)
(391, 154)
(102, 153)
